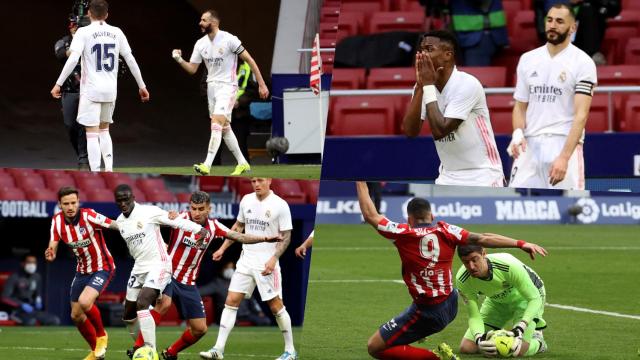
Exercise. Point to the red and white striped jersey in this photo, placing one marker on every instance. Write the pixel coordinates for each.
(427, 255)
(84, 237)
(185, 256)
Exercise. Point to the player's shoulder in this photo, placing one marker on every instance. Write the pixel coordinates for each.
(275, 198)
(226, 34)
(532, 55)
(465, 80)
(462, 276)
(503, 261)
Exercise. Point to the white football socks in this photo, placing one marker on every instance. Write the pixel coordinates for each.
(134, 328)
(214, 143)
(232, 143)
(284, 323)
(93, 150)
(227, 322)
(106, 148)
(147, 328)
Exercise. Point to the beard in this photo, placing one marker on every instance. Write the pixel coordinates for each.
(207, 29)
(559, 38)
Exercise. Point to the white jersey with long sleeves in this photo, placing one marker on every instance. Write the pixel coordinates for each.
(472, 145)
(220, 56)
(100, 46)
(141, 231)
(549, 84)
(268, 217)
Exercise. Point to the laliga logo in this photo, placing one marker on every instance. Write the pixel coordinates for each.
(590, 211)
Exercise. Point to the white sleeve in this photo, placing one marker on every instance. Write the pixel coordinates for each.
(125, 49)
(235, 45)
(284, 217)
(196, 58)
(77, 43)
(463, 100)
(522, 90)
(240, 217)
(586, 77)
(162, 218)
(135, 70)
(71, 63)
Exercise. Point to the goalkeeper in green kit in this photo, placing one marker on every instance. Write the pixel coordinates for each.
(514, 296)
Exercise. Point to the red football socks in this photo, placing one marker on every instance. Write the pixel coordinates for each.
(88, 332)
(406, 352)
(96, 320)
(183, 342)
(156, 318)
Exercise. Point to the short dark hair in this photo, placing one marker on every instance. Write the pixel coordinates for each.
(213, 14)
(465, 250)
(27, 255)
(444, 36)
(66, 190)
(419, 208)
(99, 8)
(564, 6)
(123, 188)
(200, 197)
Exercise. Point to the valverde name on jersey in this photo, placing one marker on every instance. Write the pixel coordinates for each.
(103, 33)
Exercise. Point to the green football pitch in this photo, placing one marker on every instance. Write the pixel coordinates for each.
(280, 171)
(591, 276)
(42, 343)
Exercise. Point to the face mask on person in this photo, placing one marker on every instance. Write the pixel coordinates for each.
(30, 268)
(228, 273)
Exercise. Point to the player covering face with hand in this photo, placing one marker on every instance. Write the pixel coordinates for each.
(426, 251)
(219, 50)
(514, 296)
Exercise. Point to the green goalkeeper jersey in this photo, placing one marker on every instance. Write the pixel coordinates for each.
(510, 282)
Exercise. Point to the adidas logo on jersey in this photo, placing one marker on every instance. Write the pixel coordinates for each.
(535, 74)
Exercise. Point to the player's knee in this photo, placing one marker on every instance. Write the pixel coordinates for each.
(77, 315)
(234, 299)
(374, 346)
(198, 331)
(85, 304)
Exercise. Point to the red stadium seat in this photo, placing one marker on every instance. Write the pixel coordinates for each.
(350, 24)
(327, 62)
(489, 76)
(211, 183)
(632, 51)
(329, 14)
(113, 181)
(99, 195)
(631, 114)
(52, 173)
(391, 78)
(522, 32)
(328, 31)
(161, 196)
(55, 183)
(311, 188)
(508, 58)
(631, 5)
(12, 193)
(395, 21)
(33, 180)
(151, 185)
(183, 197)
(6, 180)
(363, 115)
(409, 5)
(327, 43)
(347, 79)
(242, 186)
(500, 110)
(20, 171)
(289, 190)
(615, 42)
(139, 194)
(367, 7)
(42, 195)
(89, 183)
(619, 75)
(598, 120)
(511, 8)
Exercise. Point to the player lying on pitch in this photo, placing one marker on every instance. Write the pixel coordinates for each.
(426, 251)
(186, 255)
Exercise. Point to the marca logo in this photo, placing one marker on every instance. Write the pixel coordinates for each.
(527, 210)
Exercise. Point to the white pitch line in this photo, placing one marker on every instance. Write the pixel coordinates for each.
(30, 348)
(572, 248)
(591, 311)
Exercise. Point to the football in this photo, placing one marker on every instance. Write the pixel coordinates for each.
(505, 343)
(145, 353)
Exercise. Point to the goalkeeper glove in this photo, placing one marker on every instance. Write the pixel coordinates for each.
(486, 346)
(519, 329)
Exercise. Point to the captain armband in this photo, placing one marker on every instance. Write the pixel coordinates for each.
(585, 87)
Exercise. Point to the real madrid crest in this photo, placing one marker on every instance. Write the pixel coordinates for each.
(268, 213)
(139, 225)
(563, 76)
(220, 51)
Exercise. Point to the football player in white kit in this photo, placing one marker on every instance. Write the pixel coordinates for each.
(261, 213)
(454, 104)
(220, 51)
(139, 226)
(553, 96)
(99, 45)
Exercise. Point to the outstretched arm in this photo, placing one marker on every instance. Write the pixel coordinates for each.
(262, 86)
(189, 67)
(490, 240)
(237, 227)
(367, 207)
(251, 239)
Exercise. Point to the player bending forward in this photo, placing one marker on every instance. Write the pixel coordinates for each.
(100, 45)
(140, 228)
(426, 252)
(454, 105)
(81, 230)
(261, 213)
(220, 51)
(513, 292)
(185, 257)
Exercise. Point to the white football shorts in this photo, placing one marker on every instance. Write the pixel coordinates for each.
(245, 280)
(92, 113)
(531, 168)
(221, 97)
(157, 278)
(471, 177)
